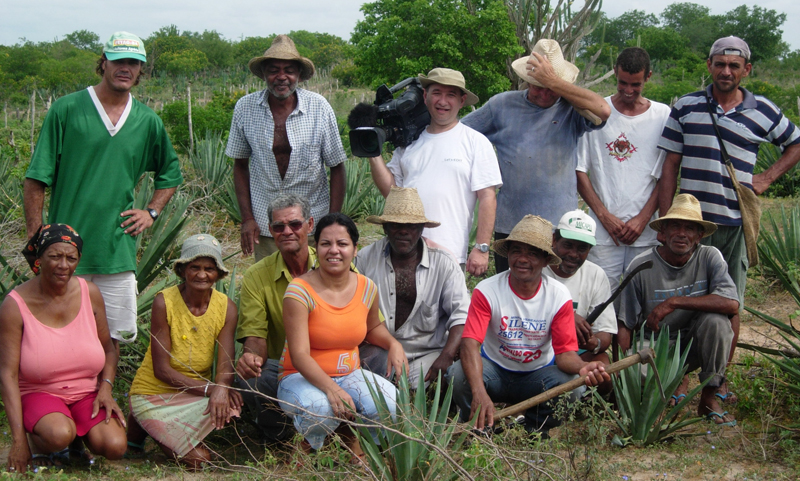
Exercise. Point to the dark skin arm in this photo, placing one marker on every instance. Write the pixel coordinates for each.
(589, 340)
(669, 182)
(138, 219)
(337, 186)
(105, 397)
(790, 157)
(241, 184)
(472, 364)
(19, 454)
(707, 303)
(254, 353)
(624, 335)
(449, 352)
(33, 203)
(222, 412)
(571, 363)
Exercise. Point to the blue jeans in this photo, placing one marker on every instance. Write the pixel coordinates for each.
(313, 415)
(513, 387)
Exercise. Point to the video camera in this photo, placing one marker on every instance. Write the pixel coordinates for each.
(399, 121)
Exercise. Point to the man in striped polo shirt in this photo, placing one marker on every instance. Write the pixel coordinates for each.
(745, 122)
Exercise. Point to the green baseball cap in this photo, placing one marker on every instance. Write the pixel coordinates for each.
(125, 45)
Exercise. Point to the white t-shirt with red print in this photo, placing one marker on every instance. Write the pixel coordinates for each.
(521, 334)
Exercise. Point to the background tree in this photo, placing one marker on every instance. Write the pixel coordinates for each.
(85, 40)
(759, 27)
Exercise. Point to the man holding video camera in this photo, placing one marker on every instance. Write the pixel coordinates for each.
(452, 166)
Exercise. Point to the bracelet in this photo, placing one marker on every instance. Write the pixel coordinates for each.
(110, 382)
(205, 390)
(248, 218)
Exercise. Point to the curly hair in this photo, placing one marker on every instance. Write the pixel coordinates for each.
(633, 60)
(101, 71)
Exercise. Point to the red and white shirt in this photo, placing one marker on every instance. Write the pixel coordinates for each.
(521, 334)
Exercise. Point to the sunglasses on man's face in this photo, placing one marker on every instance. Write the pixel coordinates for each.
(295, 225)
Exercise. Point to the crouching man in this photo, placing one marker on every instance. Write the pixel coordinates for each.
(688, 290)
(519, 339)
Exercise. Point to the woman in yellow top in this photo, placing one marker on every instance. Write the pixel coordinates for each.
(328, 312)
(188, 321)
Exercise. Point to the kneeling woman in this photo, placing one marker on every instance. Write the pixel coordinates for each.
(328, 312)
(57, 361)
(172, 396)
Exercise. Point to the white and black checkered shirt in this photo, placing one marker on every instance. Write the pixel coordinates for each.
(314, 137)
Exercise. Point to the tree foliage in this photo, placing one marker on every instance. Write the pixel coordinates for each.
(402, 38)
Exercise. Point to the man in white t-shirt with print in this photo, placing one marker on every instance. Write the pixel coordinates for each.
(587, 284)
(619, 167)
(452, 167)
(519, 339)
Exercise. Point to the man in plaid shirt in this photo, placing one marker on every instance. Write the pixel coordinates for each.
(282, 139)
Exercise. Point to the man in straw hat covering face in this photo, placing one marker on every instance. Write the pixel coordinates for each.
(689, 291)
(282, 139)
(745, 121)
(519, 339)
(94, 146)
(423, 294)
(452, 167)
(536, 134)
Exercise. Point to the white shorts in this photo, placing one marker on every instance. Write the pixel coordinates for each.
(614, 260)
(119, 294)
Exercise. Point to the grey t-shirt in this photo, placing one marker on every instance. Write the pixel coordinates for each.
(537, 151)
(705, 273)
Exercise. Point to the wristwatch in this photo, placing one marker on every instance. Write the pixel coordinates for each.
(482, 247)
(153, 213)
(596, 350)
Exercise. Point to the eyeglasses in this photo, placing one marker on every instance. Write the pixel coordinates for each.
(295, 225)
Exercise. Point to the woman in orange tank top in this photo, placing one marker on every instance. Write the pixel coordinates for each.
(328, 312)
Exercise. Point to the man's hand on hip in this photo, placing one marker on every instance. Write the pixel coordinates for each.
(477, 262)
(137, 221)
(250, 233)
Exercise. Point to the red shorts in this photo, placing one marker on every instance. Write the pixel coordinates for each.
(36, 405)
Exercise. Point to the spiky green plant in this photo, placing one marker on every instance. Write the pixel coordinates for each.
(212, 165)
(644, 416)
(779, 249)
(406, 450)
(9, 278)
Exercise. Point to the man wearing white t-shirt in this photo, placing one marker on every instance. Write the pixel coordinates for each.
(619, 167)
(452, 167)
(587, 284)
(519, 339)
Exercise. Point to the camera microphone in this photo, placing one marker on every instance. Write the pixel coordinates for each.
(363, 115)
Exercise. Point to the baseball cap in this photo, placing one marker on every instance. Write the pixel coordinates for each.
(730, 46)
(124, 45)
(577, 225)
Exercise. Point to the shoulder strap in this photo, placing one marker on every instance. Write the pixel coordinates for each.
(725, 157)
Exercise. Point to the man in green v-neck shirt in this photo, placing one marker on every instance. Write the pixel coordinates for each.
(94, 146)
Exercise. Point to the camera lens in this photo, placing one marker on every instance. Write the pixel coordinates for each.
(367, 141)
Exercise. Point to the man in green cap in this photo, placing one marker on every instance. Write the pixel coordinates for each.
(94, 146)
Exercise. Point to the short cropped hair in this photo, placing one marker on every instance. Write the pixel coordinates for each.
(284, 201)
(633, 60)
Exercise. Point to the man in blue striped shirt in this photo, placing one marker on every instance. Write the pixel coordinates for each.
(745, 122)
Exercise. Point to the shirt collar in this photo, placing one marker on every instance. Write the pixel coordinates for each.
(282, 270)
(301, 106)
(424, 262)
(748, 100)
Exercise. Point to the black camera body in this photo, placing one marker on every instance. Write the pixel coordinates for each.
(397, 120)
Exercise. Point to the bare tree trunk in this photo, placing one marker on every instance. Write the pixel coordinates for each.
(33, 117)
(189, 103)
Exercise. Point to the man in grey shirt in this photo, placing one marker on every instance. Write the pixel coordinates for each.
(421, 287)
(688, 290)
(536, 133)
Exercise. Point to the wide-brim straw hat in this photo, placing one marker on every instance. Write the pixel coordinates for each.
(282, 48)
(202, 245)
(448, 76)
(552, 51)
(403, 206)
(685, 207)
(534, 231)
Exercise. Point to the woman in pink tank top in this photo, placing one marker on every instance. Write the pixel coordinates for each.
(57, 361)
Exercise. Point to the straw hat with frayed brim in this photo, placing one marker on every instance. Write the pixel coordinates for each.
(403, 206)
(201, 245)
(534, 231)
(282, 48)
(551, 50)
(447, 76)
(685, 207)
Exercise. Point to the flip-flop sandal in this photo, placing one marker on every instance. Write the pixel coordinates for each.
(713, 415)
(135, 455)
(677, 398)
(728, 398)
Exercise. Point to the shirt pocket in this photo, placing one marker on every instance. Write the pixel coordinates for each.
(309, 155)
(429, 318)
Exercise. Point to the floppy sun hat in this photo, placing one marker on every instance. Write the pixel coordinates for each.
(201, 245)
(448, 76)
(551, 50)
(282, 48)
(685, 207)
(403, 206)
(534, 231)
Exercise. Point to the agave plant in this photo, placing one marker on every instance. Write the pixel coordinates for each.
(407, 445)
(644, 415)
(212, 165)
(9, 278)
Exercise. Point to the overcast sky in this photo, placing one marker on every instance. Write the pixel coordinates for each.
(41, 20)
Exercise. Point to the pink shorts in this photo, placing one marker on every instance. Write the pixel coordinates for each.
(36, 405)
